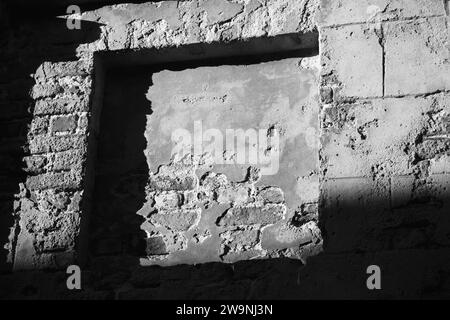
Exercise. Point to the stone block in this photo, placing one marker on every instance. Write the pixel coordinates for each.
(233, 194)
(352, 59)
(240, 240)
(60, 106)
(64, 123)
(271, 195)
(39, 125)
(68, 160)
(61, 69)
(250, 215)
(35, 164)
(417, 57)
(44, 144)
(60, 180)
(374, 138)
(168, 200)
(167, 183)
(178, 220)
(46, 90)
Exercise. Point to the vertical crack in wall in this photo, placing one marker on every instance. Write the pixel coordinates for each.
(380, 33)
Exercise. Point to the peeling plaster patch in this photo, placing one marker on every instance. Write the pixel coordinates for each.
(228, 210)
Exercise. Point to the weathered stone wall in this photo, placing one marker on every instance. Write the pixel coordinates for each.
(384, 150)
(385, 139)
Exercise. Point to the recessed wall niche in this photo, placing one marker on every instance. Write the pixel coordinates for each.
(207, 153)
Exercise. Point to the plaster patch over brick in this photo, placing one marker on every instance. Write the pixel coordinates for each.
(196, 193)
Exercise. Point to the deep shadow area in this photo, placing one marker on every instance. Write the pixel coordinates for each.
(23, 49)
(237, 52)
(121, 170)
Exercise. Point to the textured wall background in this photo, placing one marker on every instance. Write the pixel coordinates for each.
(384, 150)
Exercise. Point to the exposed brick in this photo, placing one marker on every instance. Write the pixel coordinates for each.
(46, 90)
(60, 106)
(178, 220)
(61, 180)
(59, 240)
(39, 125)
(35, 164)
(166, 183)
(67, 160)
(83, 123)
(64, 123)
(61, 69)
(240, 240)
(249, 215)
(235, 194)
(168, 200)
(271, 195)
(43, 144)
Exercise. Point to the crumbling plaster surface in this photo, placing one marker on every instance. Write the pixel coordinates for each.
(224, 200)
(384, 99)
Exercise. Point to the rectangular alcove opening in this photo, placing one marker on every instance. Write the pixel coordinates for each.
(207, 152)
